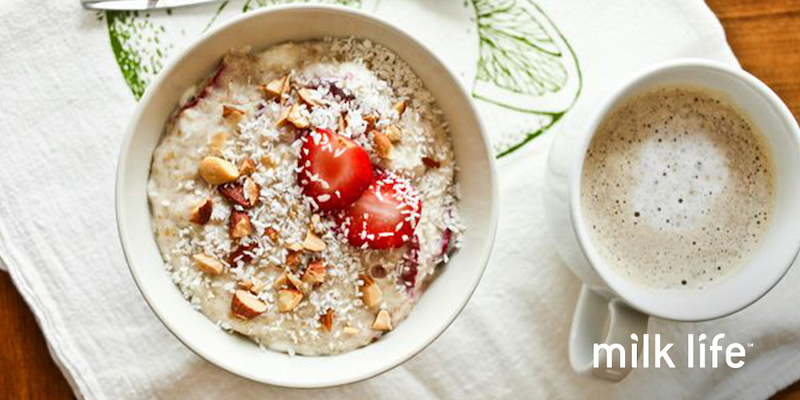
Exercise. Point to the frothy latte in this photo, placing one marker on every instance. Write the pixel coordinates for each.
(677, 188)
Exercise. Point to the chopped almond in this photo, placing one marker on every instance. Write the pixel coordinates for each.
(294, 246)
(326, 320)
(315, 273)
(370, 120)
(217, 171)
(383, 146)
(251, 191)
(271, 233)
(247, 167)
(316, 223)
(281, 281)
(371, 293)
(240, 224)
(242, 253)
(293, 259)
(234, 192)
(275, 88)
(400, 107)
(267, 162)
(231, 112)
(288, 299)
(208, 264)
(296, 117)
(253, 285)
(394, 133)
(201, 213)
(383, 321)
(313, 242)
(431, 162)
(297, 283)
(308, 96)
(246, 306)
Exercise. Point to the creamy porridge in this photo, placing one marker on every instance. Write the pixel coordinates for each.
(305, 195)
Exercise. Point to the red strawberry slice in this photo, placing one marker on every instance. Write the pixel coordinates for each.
(333, 170)
(385, 216)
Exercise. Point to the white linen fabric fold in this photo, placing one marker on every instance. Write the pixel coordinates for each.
(64, 106)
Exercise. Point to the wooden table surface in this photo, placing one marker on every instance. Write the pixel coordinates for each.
(764, 34)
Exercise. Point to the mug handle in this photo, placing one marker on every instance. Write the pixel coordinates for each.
(598, 320)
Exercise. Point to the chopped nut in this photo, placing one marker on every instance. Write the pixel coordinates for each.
(281, 281)
(218, 142)
(245, 284)
(294, 247)
(400, 107)
(349, 330)
(383, 146)
(313, 242)
(394, 133)
(326, 320)
(247, 167)
(242, 253)
(251, 191)
(383, 321)
(371, 293)
(430, 162)
(296, 117)
(308, 96)
(297, 283)
(315, 273)
(275, 88)
(267, 162)
(208, 264)
(288, 299)
(316, 223)
(217, 171)
(271, 233)
(246, 306)
(293, 259)
(240, 224)
(201, 213)
(234, 192)
(253, 285)
(370, 120)
(231, 112)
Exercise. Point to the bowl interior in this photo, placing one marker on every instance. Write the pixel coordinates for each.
(445, 297)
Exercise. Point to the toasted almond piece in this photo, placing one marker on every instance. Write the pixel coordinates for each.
(370, 120)
(288, 299)
(247, 167)
(383, 321)
(243, 253)
(296, 117)
(297, 283)
(371, 293)
(234, 192)
(315, 273)
(275, 87)
(208, 264)
(309, 97)
(294, 246)
(240, 224)
(326, 320)
(281, 281)
(251, 191)
(313, 242)
(217, 142)
(271, 233)
(383, 146)
(217, 171)
(253, 285)
(231, 112)
(431, 162)
(245, 284)
(400, 107)
(201, 213)
(246, 306)
(394, 133)
(293, 259)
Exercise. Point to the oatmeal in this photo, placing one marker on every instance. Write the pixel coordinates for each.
(304, 196)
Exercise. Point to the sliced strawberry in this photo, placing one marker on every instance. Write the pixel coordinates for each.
(333, 170)
(385, 216)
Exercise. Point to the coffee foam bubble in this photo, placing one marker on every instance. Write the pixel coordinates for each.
(677, 188)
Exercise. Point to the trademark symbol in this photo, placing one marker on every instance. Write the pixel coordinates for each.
(750, 345)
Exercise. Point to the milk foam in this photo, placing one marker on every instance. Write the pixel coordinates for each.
(677, 188)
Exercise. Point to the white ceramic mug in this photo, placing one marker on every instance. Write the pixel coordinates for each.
(610, 307)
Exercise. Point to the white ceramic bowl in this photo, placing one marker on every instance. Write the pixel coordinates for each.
(442, 301)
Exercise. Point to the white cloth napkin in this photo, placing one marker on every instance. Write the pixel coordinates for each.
(63, 109)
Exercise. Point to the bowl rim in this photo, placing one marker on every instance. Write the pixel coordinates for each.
(120, 203)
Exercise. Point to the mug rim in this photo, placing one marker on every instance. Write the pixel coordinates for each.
(612, 280)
